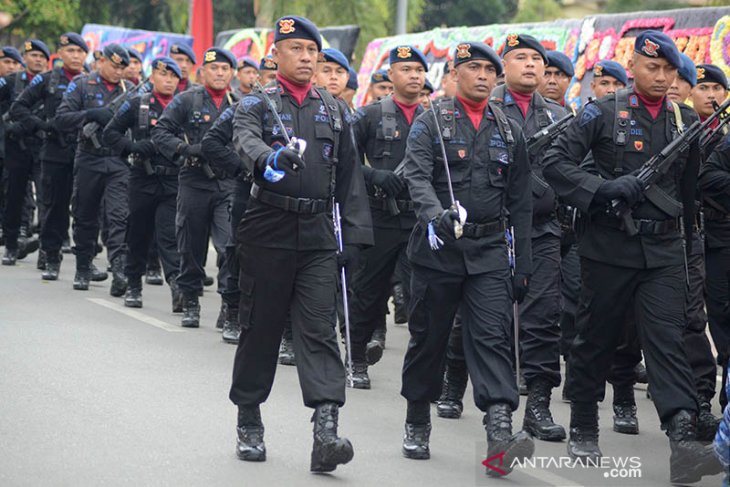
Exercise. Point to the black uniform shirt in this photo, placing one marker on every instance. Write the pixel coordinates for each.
(593, 130)
(715, 185)
(486, 183)
(218, 147)
(17, 144)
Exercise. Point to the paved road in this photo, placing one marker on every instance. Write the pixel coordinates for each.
(91, 394)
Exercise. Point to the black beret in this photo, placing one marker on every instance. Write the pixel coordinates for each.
(167, 63)
(428, 86)
(524, 41)
(352, 81)
(247, 61)
(72, 38)
(183, 49)
(379, 76)
(219, 55)
(330, 55)
(12, 53)
(134, 53)
(709, 73)
(36, 45)
(655, 44)
(687, 71)
(402, 54)
(469, 51)
(610, 68)
(267, 63)
(557, 59)
(294, 27)
(116, 54)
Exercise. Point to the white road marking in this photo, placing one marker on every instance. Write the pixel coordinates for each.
(137, 315)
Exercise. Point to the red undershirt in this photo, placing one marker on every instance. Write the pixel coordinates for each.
(162, 99)
(68, 74)
(408, 110)
(109, 86)
(474, 110)
(653, 106)
(217, 95)
(714, 123)
(183, 85)
(523, 101)
(30, 76)
(297, 91)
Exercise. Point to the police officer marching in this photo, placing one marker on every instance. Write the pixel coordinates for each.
(184, 56)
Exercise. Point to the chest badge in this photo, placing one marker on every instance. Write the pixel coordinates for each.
(461, 153)
(639, 145)
(206, 118)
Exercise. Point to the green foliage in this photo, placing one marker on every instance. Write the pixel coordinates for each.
(538, 11)
(43, 19)
(617, 6)
(454, 13)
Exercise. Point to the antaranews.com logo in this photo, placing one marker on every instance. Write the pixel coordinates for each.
(607, 467)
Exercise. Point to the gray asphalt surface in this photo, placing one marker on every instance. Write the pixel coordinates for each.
(91, 394)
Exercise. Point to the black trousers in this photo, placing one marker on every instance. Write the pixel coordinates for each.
(570, 290)
(540, 314)
(658, 298)
(371, 283)
(717, 265)
(91, 190)
(485, 303)
(20, 171)
(151, 219)
(273, 283)
(200, 212)
(241, 194)
(57, 186)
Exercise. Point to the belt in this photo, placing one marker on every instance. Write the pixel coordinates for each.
(166, 171)
(287, 203)
(382, 204)
(714, 215)
(89, 148)
(478, 230)
(645, 227)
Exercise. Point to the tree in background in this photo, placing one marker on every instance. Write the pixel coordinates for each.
(618, 6)
(538, 11)
(44, 19)
(452, 13)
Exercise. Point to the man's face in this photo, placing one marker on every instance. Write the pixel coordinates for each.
(186, 65)
(523, 70)
(380, 90)
(246, 78)
(267, 76)
(408, 78)
(680, 90)
(448, 83)
(9, 66)
(424, 98)
(164, 81)
(704, 94)
(216, 75)
(296, 58)
(332, 77)
(652, 76)
(110, 71)
(132, 72)
(605, 85)
(475, 79)
(72, 57)
(554, 84)
(35, 62)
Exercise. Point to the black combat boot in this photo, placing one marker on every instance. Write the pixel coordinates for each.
(208, 281)
(583, 442)
(177, 296)
(53, 267)
(624, 410)
(97, 275)
(119, 280)
(42, 261)
(191, 312)
(707, 423)
(231, 327)
(133, 297)
(501, 441)
(360, 378)
(452, 393)
(10, 257)
(27, 243)
(250, 445)
(690, 460)
(82, 277)
(418, 431)
(522, 385)
(220, 321)
(66, 246)
(399, 303)
(376, 345)
(538, 419)
(641, 376)
(328, 449)
(286, 351)
(153, 276)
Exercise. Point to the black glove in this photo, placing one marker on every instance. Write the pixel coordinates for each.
(14, 130)
(102, 115)
(144, 148)
(445, 224)
(627, 188)
(348, 258)
(41, 125)
(192, 151)
(520, 287)
(286, 161)
(388, 181)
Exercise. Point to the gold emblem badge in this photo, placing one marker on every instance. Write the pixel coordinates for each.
(28, 46)
(597, 70)
(210, 56)
(65, 41)
(404, 52)
(161, 65)
(116, 58)
(639, 145)
(462, 51)
(513, 40)
(378, 77)
(650, 48)
(269, 64)
(286, 26)
(700, 73)
(175, 49)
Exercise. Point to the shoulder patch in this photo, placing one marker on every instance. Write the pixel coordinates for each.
(249, 102)
(124, 108)
(227, 114)
(418, 128)
(3, 82)
(36, 80)
(71, 87)
(590, 112)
